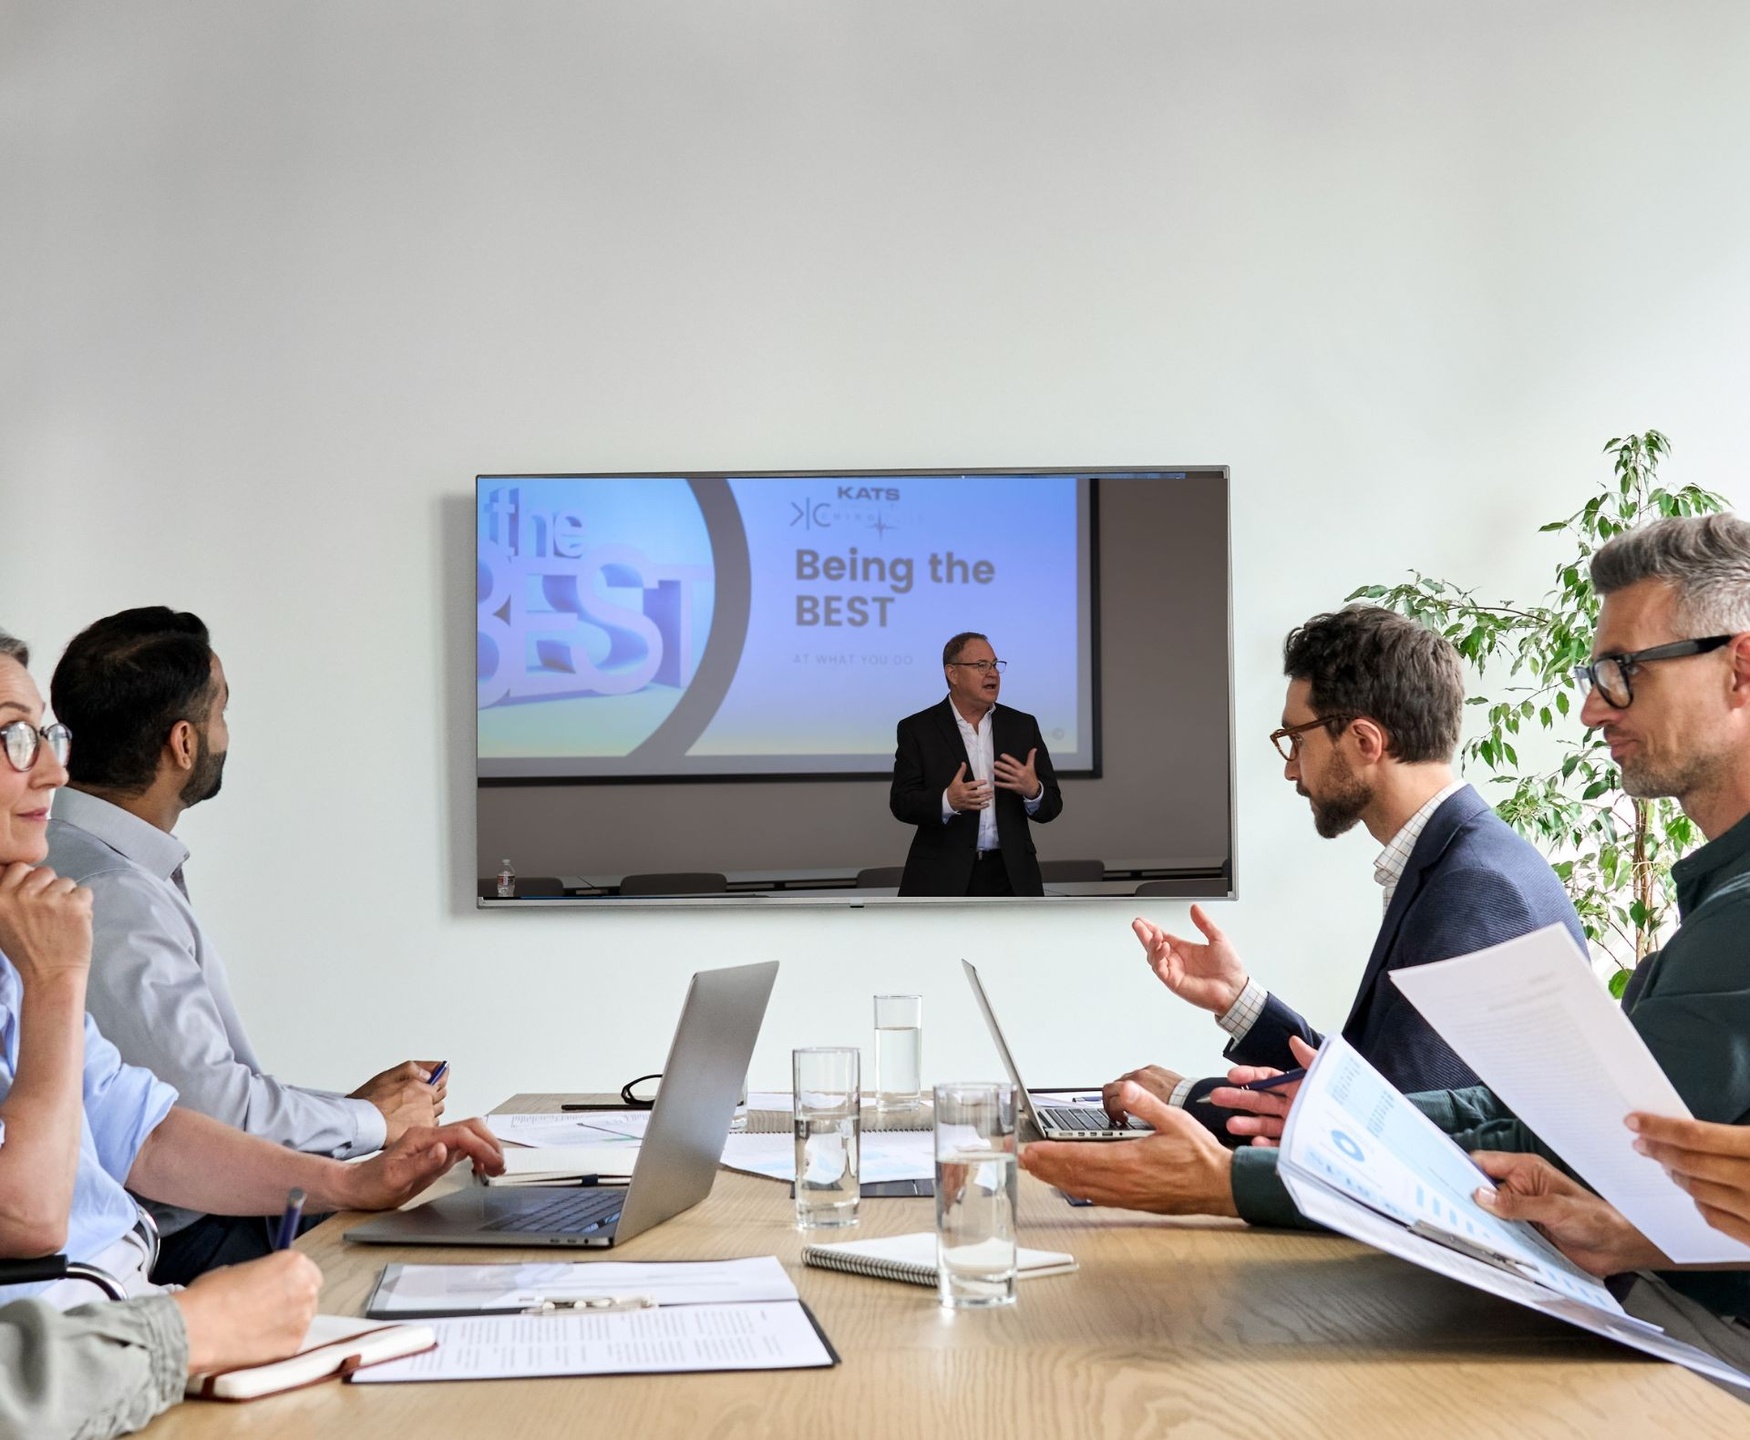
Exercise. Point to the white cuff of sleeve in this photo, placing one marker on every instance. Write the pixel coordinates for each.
(1244, 1012)
(947, 809)
(370, 1132)
(1181, 1093)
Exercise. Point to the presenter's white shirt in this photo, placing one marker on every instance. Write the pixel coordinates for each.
(981, 751)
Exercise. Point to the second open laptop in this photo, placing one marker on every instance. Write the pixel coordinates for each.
(677, 1160)
(1050, 1122)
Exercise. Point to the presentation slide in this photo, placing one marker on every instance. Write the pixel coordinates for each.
(676, 627)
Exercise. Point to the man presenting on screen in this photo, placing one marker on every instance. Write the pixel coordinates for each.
(969, 774)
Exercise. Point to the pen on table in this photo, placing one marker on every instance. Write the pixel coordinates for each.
(443, 1069)
(598, 1303)
(1274, 1082)
(288, 1231)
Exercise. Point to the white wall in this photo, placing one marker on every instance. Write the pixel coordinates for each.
(281, 278)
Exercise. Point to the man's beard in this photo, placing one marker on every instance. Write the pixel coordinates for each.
(208, 774)
(1337, 810)
(1646, 779)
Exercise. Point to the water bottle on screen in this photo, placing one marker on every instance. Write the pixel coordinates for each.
(506, 881)
(899, 1052)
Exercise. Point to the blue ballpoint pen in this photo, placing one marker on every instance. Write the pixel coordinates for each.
(288, 1231)
(443, 1068)
(1272, 1082)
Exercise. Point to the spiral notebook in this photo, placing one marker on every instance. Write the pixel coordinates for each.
(912, 1259)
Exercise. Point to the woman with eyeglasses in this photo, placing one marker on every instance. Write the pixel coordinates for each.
(107, 1368)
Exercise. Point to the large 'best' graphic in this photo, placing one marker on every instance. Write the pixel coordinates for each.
(564, 609)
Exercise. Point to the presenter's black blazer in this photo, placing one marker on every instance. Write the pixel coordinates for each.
(1471, 881)
(929, 751)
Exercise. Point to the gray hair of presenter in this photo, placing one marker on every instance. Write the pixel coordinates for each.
(1704, 558)
(1366, 660)
(951, 651)
(14, 648)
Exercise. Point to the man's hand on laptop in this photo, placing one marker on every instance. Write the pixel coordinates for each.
(1179, 1170)
(1209, 976)
(406, 1096)
(416, 1159)
(1157, 1080)
(1269, 1107)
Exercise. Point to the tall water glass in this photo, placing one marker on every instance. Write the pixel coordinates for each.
(828, 1100)
(975, 1194)
(899, 1051)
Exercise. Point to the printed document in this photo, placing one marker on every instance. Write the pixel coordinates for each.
(778, 1336)
(1540, 1031)
(1360, 1158)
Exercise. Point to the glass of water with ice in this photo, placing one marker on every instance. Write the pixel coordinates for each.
(828, 1100)
(899, 1052)
(975, 1194)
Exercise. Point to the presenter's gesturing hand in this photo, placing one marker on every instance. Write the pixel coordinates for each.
(968, 794)
(1011, 774)
(1210, 976)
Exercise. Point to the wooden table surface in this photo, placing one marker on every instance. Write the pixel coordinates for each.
(1199, 1328)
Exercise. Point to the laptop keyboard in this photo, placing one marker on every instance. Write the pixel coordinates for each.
(575, 1211)
(1080, 1118)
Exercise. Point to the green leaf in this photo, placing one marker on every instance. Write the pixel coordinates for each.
(1618, 982)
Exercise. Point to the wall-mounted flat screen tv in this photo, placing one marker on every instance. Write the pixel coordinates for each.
(690, 686)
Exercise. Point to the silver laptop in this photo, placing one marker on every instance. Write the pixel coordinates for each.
(1050, 1122)
(676, 1162)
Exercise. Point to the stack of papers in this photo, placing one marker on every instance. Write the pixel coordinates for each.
(422, 1292)
(1360, 1158)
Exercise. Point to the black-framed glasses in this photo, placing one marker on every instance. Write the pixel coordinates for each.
(22, 740)
(983, 666)
(1611, 675)
(1287, 739)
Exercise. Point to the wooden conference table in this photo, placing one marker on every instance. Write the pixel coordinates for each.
(1193, 1327)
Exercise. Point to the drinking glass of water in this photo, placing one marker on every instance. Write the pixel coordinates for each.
(975, 1194)
(828, 1100)
(899, 1051)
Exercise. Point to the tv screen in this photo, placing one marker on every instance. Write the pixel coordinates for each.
(699, 676)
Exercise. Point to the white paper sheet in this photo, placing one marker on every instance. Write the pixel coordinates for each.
(885, 1155)
(422, 1289)
(564, 1131)
(777, 1336)
(1540, 1031)
(522, 1166)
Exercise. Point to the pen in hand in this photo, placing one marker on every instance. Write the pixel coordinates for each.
(288, 1230)
(1272, 1082)
(443, 1069)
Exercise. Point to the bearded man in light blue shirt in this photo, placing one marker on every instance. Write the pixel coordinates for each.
(146, 695)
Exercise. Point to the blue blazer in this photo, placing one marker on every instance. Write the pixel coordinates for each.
(1471, 882)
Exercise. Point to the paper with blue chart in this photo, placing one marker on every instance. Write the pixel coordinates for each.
(1358, 1157)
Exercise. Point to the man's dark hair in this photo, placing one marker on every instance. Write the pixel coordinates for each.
(951, 651)
(14, 649)
(1363, 660)
(120, 687)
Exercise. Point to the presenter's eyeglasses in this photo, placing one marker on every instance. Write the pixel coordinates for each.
(1611, 675)
(1287, 739)
(22, 741)
(982, 666)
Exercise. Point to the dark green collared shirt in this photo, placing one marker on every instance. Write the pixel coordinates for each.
(1691, 1004)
